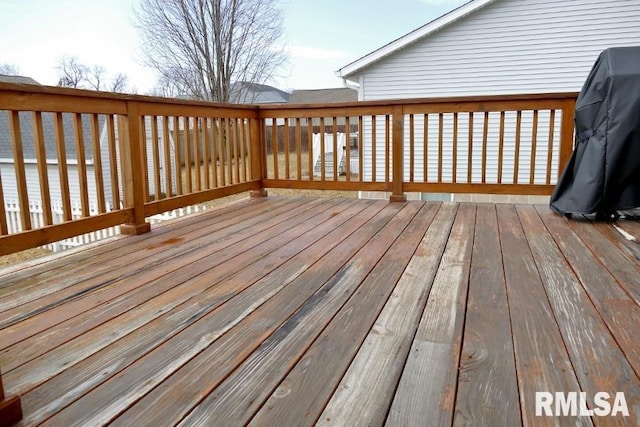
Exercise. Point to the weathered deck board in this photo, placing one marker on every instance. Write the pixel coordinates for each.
(487, 387)
(330, 311)
(542, 362)
(427, 387)
(599, 363)
(365, 392)
(309, 385)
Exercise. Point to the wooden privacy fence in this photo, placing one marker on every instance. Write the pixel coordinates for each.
(143, 156)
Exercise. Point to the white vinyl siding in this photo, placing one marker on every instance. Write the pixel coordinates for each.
(505, 47)
(508, 46)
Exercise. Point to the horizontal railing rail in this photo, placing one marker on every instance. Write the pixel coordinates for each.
(133, 157)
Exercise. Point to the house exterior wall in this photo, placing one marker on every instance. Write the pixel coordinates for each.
(505, 47)
(9, 184)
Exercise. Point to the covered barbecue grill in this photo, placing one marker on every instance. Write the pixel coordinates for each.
(603, 174)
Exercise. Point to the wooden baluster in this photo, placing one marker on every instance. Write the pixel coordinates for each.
(187, 154)
(113, 162)
(97, 163)
(18, 161)
(285, 130)
(501, 147)
(4, 229)
(454, 162)
(387, 148)
(43, 173)
(206, 158)
(411, 148)
(552, 125)
(243, 145)
(166, 146)
(470, 158)
(177, 154)
(82, 165)
(374, 143)
(229, 159)
(516, 157)
(347, 131)
(298, 143)
(142, 137)
(425, 153)
(234, 138)
(215, 146)
(335, 148)
(196, 153)
(155, 152)
(440, 144)
(485, 142)
(274, 147)
(310, 146)
(360, 149)
(534, 142)
(322, 150)
(58, 129)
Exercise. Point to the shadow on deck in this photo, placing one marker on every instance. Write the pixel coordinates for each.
(295, 311)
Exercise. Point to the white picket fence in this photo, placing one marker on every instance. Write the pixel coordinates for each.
(14, 224)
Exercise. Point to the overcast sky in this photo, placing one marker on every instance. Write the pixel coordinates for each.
(321, 35)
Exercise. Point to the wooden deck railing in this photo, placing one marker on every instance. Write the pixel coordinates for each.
(130, 157)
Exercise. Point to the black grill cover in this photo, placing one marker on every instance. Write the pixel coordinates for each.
(603, 174)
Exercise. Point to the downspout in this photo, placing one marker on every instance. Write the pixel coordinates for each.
(349, 85)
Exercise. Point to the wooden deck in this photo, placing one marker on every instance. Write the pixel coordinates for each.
(295, 311)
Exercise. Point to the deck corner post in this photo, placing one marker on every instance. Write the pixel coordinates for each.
(566, 133)
(257, 155)
(397, 155)
(10, 408)
(133, 173)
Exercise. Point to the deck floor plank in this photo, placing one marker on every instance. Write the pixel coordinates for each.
(148, 281)
(542, 362)
(60, 268)
(427, 387)
(365, 393)
(282, 291)
(143, 375)
(309, 385)
(185, 283)
(598, 361)
(295, 311)
(620, 313)
(609, 254)
(241, 394)
(487, 387)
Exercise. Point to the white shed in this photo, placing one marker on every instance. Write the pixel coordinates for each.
(492, 47)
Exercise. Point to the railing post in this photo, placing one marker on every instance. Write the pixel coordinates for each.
(10, 408)
(257, 156)
(133, 175)
(566, 133)
(397, 154)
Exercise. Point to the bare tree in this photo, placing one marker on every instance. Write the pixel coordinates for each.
(120, 83)
(95, 77)
(203, 46)
(9, 69)
(71, 73)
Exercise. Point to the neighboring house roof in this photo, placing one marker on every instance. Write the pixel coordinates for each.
(415, 35)
(254, 93)
(310, 96)
(17, 79)
(28, 144)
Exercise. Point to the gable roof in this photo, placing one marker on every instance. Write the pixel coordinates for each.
(17, 79)
(311, 96)
(255, 93)
(437, 24)
(28, 144)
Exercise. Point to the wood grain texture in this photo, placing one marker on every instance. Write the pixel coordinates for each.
(310, 384)
(365, 392)
(620, 312)
(427, 388)
(221, 358)
(487, 386)
(237, 398)
(599, 363)
(542, 362)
